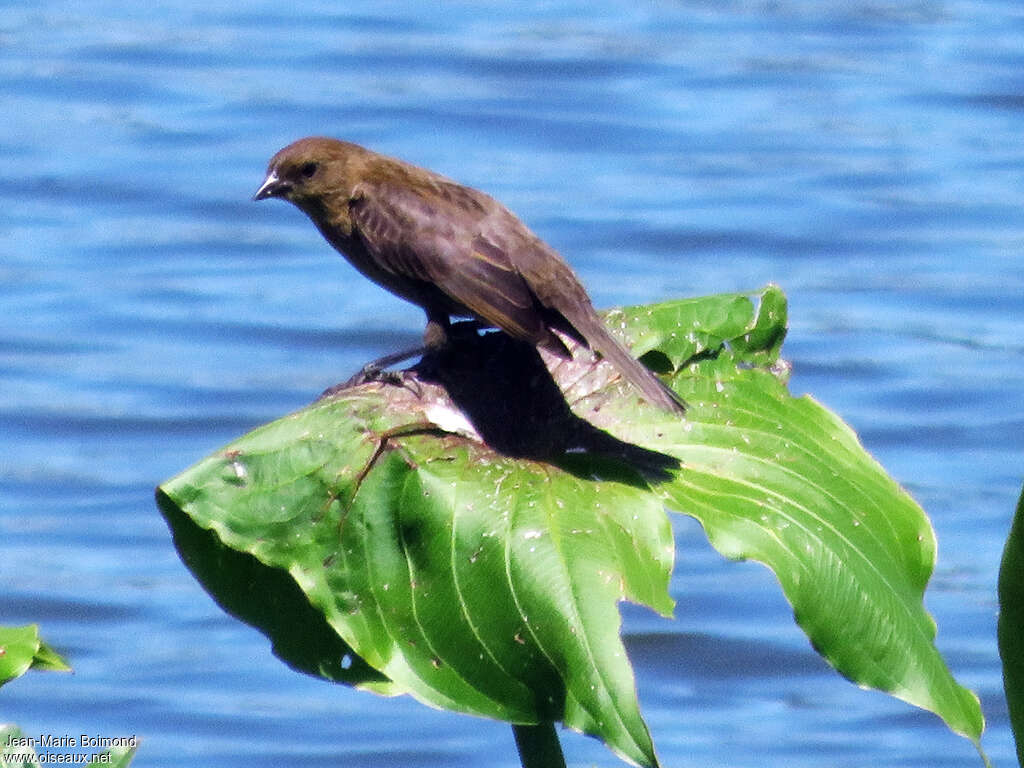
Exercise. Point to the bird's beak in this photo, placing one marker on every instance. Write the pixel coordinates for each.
(272, 187)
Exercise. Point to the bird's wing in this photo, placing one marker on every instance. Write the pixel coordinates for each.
(457, 240)
(485, 260)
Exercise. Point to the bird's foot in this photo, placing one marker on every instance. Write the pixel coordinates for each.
(375, 370)
(372, 372)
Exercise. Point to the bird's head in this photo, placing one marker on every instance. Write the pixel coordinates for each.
(310, 169)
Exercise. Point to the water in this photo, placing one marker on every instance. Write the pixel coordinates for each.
(864, 155)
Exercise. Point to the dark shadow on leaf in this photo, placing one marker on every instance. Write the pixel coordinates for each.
(657, 361)
(508, 394)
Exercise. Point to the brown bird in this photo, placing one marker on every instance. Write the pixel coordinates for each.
(451, 249)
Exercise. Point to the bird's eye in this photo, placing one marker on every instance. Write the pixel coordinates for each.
(308, 170)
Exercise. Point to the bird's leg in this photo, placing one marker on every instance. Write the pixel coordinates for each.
(395, 357)
(438, 335)
(435, 337)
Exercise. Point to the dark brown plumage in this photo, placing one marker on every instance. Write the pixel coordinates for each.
(452, 250)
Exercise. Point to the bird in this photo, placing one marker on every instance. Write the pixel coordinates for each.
(453, 250)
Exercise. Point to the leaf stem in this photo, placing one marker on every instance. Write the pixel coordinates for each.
(538, 746)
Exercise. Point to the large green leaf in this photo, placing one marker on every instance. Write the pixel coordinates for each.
(475, 582)
(467, 537)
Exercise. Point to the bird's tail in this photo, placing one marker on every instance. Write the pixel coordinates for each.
(635, 372)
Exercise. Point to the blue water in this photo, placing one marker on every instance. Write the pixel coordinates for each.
(864, 155)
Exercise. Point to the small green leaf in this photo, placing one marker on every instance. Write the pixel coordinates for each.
(21, 649)
(118, 757)
(1011, 625)
(16, 750)
(47, 658)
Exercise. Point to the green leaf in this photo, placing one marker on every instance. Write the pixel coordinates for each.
(16, 749)
(485, 579)
(685, 328)
(118, 757)
(783, 481)
(474, 582)
(1011, 625)
(21, 649)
